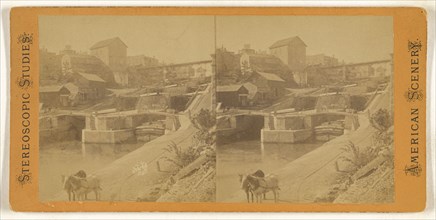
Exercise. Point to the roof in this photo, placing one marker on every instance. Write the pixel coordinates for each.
(252, 89)
(82, 63)
(72, 88)
(228, 88)
(106, 42)
(287, 41)
(267, 63)
(54, 88)
(270, 77)
(91, 77)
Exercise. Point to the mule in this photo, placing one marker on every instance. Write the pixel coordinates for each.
(71, 185)
(246, 186)
(79, 185)
(260, 186)
(90, 184)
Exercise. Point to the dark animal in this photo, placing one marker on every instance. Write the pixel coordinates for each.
(90, 184)
(246, 186)
(71, 184)
(260, 186)
(80, 185)
(81, 174)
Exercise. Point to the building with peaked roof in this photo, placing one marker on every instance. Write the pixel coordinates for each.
(92, 77)
(50, 95)
(91, 86)
(269, 86)
(232, 95)
(113, 52)
(86, 64)
(262, 62)
(69, 95)
(271, 77)
(291, 51)
(252, 90)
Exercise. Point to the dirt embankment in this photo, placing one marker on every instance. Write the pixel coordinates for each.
(377, 187)
(197, 187)
(321, 178)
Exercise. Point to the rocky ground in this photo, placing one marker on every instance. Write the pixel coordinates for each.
(378, 187)
(197, 187)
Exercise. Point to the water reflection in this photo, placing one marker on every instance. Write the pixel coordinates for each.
(247, 156)
(66, 158)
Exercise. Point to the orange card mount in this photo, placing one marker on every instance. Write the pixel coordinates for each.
(218, 109)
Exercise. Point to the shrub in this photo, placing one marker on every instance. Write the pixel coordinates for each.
(381, 120)
(356, 156)
(205, 122)
(180, 158)
(203, 140)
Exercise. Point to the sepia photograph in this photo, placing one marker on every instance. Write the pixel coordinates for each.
(218, 109)
(125, 109)
(304, 109)
(246, 109)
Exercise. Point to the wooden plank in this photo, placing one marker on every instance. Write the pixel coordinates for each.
(192, 166)
(374, 164)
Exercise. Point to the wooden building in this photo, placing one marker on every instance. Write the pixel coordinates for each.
(232, 95)
(91, 86)
(50, 95)
(72, 64)
(70, 95)
(269, 86)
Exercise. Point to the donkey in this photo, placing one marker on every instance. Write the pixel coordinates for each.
(246, 186)
(90, 184)
(78, 184)
(260, 186)
(71, 185)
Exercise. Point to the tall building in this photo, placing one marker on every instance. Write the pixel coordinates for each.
(112, 52)
(291, 51)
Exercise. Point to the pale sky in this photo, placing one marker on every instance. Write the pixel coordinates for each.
(177, 39)
(173, 39)
(350, 38)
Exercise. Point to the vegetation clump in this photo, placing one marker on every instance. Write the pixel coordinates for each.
(361, 162)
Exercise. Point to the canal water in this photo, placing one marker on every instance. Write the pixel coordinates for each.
(238, 157)
(247, 156)
(66, 158)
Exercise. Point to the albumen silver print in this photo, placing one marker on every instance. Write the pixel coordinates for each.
(225, 109)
